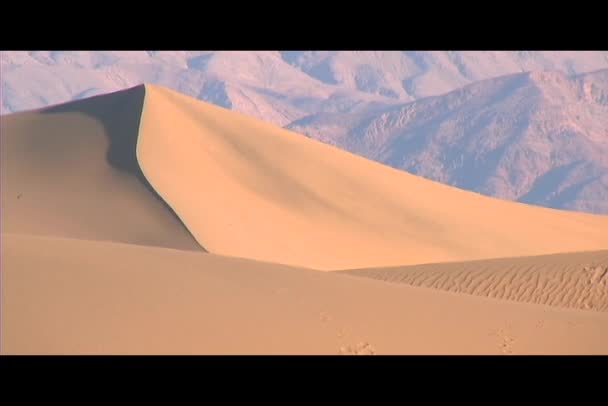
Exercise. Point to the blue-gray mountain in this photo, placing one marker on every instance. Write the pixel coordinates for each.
(538, 138)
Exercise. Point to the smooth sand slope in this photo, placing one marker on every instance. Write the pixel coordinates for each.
(71, 171)
(574, 280)
(249, 189)
(74, 296)
(246, 188)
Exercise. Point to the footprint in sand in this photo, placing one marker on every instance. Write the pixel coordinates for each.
(324, 317)
(506, 342)
(363, 348)
(506, 346)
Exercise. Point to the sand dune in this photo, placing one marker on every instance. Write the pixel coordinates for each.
(249, 189)
(64, 296)
(246, 188)
(71, 171)
(573, 280)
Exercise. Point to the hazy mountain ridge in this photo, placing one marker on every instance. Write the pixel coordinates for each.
(537, 137)
(307, 81)
(268, 88)
(410, 75)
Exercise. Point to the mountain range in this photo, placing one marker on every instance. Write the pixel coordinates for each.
(538, 138)
(526, 126)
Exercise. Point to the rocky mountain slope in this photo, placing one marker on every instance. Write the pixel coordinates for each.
(449, 116)
(537, 137)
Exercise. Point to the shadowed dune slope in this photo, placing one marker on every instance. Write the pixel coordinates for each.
(574, 280)
(249, 189)
(64, 296)
(71, 171)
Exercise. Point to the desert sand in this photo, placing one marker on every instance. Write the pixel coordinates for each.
(90, 297)
(146, 221)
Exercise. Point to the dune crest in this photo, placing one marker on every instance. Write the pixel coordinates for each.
(250, 189)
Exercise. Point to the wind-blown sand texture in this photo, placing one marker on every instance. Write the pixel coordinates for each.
(109, 204)
(574, 280)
